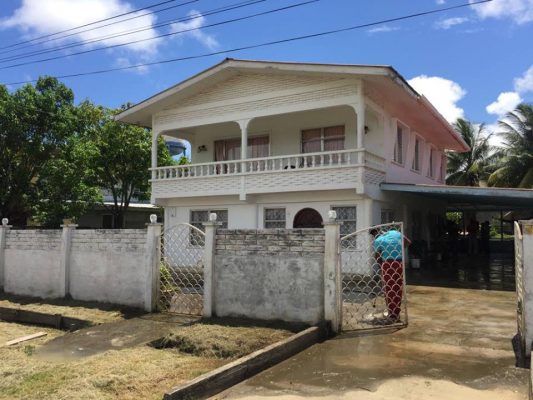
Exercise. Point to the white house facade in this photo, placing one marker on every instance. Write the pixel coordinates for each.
(278, 145)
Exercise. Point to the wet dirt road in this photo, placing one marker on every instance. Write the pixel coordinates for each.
(457, 346)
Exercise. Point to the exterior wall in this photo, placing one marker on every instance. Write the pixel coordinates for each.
(283, 130)
(32, 263)
(270, 274)
(257, 95)
(108, 266)
(94, 265)
(250, 215)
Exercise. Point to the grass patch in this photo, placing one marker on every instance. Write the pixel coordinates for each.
(226, 338)
(140, 372)
(87, 310)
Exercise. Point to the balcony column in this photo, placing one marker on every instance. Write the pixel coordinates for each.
(155, 137)
(243, 124)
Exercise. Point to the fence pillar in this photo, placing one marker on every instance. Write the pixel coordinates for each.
(153, 258)
(209, 265)
(64, 263)
(3, 230)
(332, 273)
(527, 276)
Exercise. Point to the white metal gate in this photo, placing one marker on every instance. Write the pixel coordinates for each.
(519, 276)
(181, 275)
(373, 278)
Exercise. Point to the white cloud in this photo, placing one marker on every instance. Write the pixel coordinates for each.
(440, 2)
(442, 93)
(383, 28)
(524, 83)
(507, 101)
(206, 39)
(41, 17)
(520, 11)
(123, 62)
(449, 22)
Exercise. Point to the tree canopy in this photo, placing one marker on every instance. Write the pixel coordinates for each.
(56, 157)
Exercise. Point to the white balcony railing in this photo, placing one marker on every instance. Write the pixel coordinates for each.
(327, 159)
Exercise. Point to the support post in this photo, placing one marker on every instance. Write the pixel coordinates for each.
(153, 258)
(209, 265)
(3, 236)
(332, 273)
(64, 266)
(527, 276)
(155, 137)
(243, 124)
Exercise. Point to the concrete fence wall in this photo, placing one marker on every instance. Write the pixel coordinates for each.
(270, 274)
(114, 266)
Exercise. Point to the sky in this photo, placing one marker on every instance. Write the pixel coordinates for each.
(475, 62)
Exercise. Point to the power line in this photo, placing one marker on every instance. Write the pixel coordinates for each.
(165, 35)
(130, 32)
(265, 44)
(95, 22)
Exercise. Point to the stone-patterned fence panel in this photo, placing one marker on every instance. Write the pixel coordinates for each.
(108, 265)
(32, 262)
(104, 265)
(270, 274)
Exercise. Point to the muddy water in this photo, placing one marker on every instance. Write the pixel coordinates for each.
(457, 341)
(111, 336)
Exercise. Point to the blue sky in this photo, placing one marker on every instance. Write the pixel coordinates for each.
(464, 60)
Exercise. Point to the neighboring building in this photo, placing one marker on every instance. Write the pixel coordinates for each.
(279, 144)
(101, 217)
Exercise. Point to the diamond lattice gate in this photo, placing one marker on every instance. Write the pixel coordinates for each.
(373, 278)
(181, 284)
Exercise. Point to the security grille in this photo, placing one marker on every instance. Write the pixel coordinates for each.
(519, 276)
(373, 278)
(181, 270)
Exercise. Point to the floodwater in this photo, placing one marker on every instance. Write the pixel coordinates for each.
(457, 346)
(111, 336)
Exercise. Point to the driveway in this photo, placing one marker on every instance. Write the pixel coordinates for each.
(457, 346)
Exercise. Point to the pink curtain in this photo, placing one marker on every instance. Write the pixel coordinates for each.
(220, 150)
(334, 138)
(258, 147)
(233, 149)
(311, 141)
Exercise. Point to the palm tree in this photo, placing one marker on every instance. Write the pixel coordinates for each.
(473, 166)
(516, 167)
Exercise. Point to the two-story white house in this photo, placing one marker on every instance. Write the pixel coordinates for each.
(279, 144)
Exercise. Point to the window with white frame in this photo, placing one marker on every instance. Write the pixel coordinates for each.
(387, 215)
(431, 166)
(443, 162)
(198, 217)
(274, 218)
(348, 217)
(330, 138)
(400, 143)
(416, 156)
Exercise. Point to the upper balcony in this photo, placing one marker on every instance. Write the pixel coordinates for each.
(330, 170)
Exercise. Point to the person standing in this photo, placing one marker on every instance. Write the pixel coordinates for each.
(389, 247)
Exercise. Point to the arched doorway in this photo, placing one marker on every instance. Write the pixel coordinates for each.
(307, 218)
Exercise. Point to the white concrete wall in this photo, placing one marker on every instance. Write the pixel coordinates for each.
(94, 265)
(109, 266)
(250, 214)
(32, 263)
(283, 130)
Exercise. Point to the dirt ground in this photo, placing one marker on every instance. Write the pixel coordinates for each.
(90, 311)
(129, 369)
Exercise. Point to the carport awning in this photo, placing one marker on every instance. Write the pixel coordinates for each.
(466, 197)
